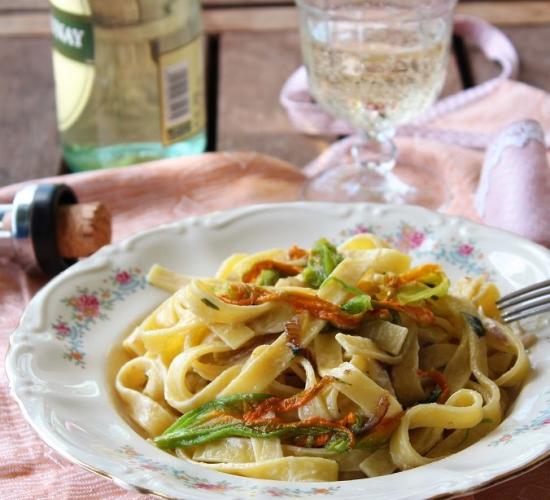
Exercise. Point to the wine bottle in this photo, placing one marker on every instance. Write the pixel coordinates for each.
(129, 77)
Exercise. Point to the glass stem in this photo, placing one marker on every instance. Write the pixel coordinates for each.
(374, 152)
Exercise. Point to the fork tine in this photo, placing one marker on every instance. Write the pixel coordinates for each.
(527, 313)
(525, 306)
(530, 292)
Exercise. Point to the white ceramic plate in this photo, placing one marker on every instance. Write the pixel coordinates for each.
(58, 361)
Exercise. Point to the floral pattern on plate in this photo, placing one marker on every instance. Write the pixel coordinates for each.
(540, 421)
(86, 307)
(138, 460)
(420, 242)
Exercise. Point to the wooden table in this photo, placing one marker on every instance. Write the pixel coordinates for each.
(252, 47)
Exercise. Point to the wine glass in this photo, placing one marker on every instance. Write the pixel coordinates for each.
(376, 64)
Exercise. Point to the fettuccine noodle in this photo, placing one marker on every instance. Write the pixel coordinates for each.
(320, 365)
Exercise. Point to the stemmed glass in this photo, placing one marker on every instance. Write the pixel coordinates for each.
(376, 64)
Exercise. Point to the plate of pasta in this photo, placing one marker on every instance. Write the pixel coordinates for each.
(301, 350)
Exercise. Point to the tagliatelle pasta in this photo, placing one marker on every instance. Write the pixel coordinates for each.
(320, 364)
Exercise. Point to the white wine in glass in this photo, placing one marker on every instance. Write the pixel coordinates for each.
(377, 65)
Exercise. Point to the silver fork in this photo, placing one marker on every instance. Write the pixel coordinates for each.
(528, 301)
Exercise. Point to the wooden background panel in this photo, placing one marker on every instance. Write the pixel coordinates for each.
(37, 4)
(253, 68)
(508, 12)
(533, 46)
(231, 3)
(28, 129)
(532, 8)
(529, 13)
(273, 18)
(526, 13)
(531, 43)
(22, 4)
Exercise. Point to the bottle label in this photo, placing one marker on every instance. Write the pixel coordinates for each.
(73, 55)
(181, 92)
(73, 35)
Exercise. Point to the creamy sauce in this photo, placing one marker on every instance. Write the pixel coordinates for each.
(115, 359)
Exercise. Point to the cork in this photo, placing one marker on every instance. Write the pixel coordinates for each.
(82, 229)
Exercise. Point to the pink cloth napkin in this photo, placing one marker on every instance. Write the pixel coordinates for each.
(514, 188)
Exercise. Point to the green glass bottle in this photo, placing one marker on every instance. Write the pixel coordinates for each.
(129, 78)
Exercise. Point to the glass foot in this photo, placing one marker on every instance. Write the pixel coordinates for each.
(356, 183)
